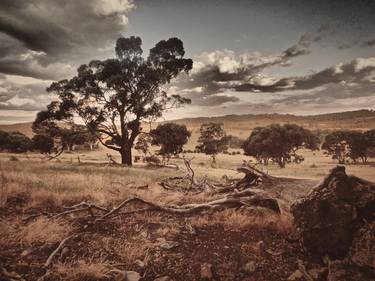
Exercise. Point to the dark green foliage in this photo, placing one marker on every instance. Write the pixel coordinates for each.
(171, 138)
(212, 140)
(43, 143)
(113, 96)
(279, 143)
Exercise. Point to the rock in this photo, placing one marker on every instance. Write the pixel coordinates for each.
(296, 275)
(163, 278)
(26, 252)
(329, 217)
(318, 273)
(206, 271)
(132, 276)
(362, 252)
(249, 267)
(140, 263)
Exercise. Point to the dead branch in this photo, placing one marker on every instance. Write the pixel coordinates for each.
(81, 207)
(55, 156)
(248, 198)
(59, 247)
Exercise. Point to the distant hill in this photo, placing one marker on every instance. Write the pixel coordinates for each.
(241, 125)
(24, 128)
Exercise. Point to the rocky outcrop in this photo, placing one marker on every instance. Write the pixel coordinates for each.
(337, 220)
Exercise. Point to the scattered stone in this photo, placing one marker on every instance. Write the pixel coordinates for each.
(140, 263)
(64, 251)
(296, 275)
(206, 271)
(26, 252)
(132, 276)
(249, 267)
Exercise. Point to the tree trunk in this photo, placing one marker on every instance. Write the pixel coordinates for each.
(126, 157)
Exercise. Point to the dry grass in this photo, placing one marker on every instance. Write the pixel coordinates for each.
(45, 230)
(232, 219)
(82, 270)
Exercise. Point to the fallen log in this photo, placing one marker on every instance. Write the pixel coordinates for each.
(249, 198)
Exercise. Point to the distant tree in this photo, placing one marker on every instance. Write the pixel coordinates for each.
(235, 142)
(171, 138)
(336, 144)
(113, 96)
(43, 143)
(17, 142)
(354, 145)
(279, 143)
(65, 133)
(143, 144)
(212, 140)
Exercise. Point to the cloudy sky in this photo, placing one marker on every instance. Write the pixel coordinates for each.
(290, 56)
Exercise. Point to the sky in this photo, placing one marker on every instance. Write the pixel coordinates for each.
(292, 56)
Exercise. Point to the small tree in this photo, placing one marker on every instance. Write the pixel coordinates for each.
(43, 143)
(171, 138)
(143, 144)
(279, 143)
(212, 140)
(112, 97)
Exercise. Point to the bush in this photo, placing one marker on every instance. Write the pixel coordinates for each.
(152, 159)
(43, 143)
(17, 143)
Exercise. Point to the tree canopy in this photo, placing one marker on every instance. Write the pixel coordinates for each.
(354, 145)
(279, 143)
(171, 137)
(212, 139)
(113, 96)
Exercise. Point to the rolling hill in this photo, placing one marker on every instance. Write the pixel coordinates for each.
(241, 125)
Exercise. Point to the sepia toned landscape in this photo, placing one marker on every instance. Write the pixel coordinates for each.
(133, 148)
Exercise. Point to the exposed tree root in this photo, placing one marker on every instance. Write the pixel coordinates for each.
(235, 200)
(189, 184)
(59, 247)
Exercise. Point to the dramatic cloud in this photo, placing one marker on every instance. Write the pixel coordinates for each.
(44, 38)
(28, 97)
(358, 71)
(215, 72)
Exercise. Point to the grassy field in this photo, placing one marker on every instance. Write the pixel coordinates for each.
(33, 191)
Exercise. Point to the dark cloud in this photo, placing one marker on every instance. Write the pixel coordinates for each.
(360, 71)
(42, 36)
(218, 71)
